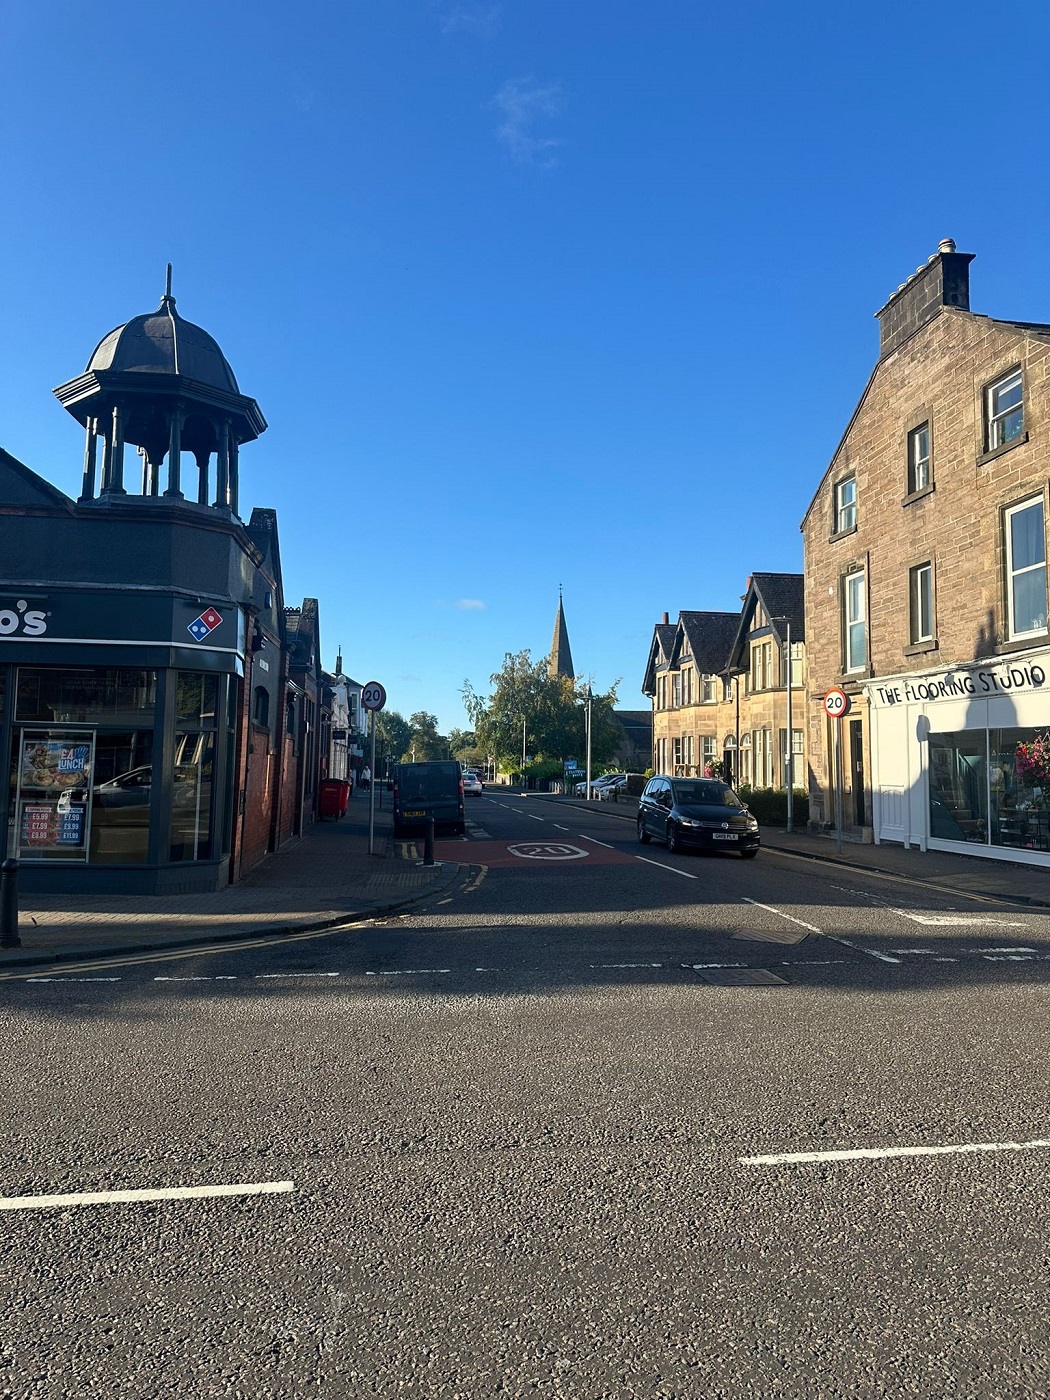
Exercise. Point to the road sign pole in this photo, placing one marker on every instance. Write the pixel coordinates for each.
(838, 786)
(372, 783)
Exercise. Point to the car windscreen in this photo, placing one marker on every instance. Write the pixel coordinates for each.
(427, 782)
(705, 794)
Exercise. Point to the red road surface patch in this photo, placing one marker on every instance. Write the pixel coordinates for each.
(501, 854)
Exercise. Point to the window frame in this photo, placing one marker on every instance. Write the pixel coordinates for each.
(994, 440)
(915, 462)
(840, 525)
(855, 584)
(1010, 574)
(917, 637)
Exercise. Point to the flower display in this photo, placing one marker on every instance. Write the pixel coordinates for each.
(1032, 759)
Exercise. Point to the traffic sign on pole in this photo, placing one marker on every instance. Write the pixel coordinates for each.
(836, 703)
(373, 696)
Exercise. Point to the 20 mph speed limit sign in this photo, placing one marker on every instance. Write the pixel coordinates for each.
(373, 696)
(836, 703)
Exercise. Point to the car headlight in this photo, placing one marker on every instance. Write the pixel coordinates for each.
(752, 824)
(689, 821)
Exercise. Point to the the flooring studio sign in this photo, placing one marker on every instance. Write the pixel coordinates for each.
(983, 683)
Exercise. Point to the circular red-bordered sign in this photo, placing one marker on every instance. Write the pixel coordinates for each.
(836, 703)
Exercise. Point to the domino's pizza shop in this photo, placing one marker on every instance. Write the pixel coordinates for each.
(119, 711)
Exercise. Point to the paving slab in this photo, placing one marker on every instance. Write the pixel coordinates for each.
(325, 878)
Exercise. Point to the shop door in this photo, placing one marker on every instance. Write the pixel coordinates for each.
(856, 748)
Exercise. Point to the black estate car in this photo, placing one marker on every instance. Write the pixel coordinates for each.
(700, 812)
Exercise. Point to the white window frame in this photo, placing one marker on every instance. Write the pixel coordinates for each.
(845, 507)
(855, 619)
(919, 455)
(707, 689)
(1012, 574)
(995, 415)
(920, 595)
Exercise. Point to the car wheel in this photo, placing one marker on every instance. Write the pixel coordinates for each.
(643, 835)
(674, 845)
(749, 855)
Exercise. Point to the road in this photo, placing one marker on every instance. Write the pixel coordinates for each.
(518, 1142)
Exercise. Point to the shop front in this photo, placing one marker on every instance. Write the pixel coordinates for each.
(961, 758)
(121, 748)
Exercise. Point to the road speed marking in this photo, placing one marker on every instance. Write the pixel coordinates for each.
(547, 850)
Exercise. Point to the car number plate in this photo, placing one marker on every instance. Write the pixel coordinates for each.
(415, 814)
(724, 835)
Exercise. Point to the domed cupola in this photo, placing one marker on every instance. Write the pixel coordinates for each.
(162, 384)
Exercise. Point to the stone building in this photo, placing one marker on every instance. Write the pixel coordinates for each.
(926, 589)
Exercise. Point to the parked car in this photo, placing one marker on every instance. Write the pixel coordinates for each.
(472, 784)
(596, 783)
(608, 792)
(699, 813)
(423, 790)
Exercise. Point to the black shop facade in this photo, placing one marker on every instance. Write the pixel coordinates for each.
(140, 630)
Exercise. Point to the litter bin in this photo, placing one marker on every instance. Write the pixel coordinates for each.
(332, 798)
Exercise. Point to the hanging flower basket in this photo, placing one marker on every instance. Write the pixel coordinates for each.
(1032, 760)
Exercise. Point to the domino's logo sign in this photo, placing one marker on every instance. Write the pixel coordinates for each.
(204, 625)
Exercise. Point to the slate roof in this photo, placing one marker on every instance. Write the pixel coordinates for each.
(663, 641)
(710, 636)
(19, 486)
(782, 597)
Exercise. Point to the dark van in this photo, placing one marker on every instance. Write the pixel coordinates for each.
(424, 790)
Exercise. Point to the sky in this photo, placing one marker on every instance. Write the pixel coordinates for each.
(533, 294)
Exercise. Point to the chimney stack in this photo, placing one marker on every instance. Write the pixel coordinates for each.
(944, 280)
(666, 619)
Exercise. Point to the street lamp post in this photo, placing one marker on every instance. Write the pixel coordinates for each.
(523, 758)
(790, 757)
(588, 742)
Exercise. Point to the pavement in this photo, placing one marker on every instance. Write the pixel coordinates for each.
(328, 878)
(324, 879)
(975, 875)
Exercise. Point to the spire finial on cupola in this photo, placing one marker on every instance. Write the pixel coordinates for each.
(169, 300)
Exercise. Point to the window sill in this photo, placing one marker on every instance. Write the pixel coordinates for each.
(986, 457)
(841, 534)
(921, 495)
(1022, 644)
(919, 648)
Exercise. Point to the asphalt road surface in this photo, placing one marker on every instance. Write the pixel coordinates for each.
(598, 1122)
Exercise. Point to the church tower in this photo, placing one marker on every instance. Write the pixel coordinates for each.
(559, 663)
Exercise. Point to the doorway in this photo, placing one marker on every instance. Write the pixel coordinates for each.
(856, 750)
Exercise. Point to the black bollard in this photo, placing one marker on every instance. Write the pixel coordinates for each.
(428, 843)
(9, 905)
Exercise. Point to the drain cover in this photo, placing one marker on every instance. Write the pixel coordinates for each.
(741, 977)
(772, 936)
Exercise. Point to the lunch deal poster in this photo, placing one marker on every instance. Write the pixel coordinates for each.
(56, 765)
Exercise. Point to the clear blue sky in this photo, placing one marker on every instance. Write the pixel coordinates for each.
(530, 292)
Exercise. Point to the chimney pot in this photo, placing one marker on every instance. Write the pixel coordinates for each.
(666, 619)
(946, 245)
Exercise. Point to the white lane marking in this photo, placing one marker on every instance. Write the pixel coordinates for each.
(770, 909)
(72, 979)
(858, 1154)
(264, 975)
(958, 920)
(914, 952)
(672, 868)
(166, 1193)
(408, 972)
(1004, 950)
(697, 966)
(594, 839)
(824, 962)
(625, 964)
(946, 960)
(199, 979)
(860, 948)
(535, 818)
(1008, 957)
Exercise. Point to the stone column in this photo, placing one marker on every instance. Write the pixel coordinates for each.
(202, 468)
(175, 457)
(115, 483)
(87, 490)
(222, 466)
(235, 457)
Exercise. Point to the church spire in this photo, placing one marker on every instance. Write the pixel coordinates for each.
(559, 663)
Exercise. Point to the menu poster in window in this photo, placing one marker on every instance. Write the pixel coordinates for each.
(55, 777)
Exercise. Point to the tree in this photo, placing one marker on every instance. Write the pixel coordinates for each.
(425, 744)
(547, 711)
(393, 736)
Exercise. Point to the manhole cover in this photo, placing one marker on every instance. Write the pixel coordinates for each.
(741, 977)
(771, 936)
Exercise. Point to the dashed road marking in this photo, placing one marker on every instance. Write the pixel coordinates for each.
(772, 910)
(859, 1154)
(672, 868)
(860, 948)
(594, 839)
(164, 1193)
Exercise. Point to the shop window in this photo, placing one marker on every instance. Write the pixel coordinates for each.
(855, 621)
(86, 695)
(919, 459)
(1025, 550)
(959, 786)
(191, 796)
(1003, 411)
(196, 698)
(845, 505)
(920, 603)
(991, 787)
(121, 798)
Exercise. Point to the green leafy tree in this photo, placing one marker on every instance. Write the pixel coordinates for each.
(425, 743)
(393, 735)
(547, 711)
